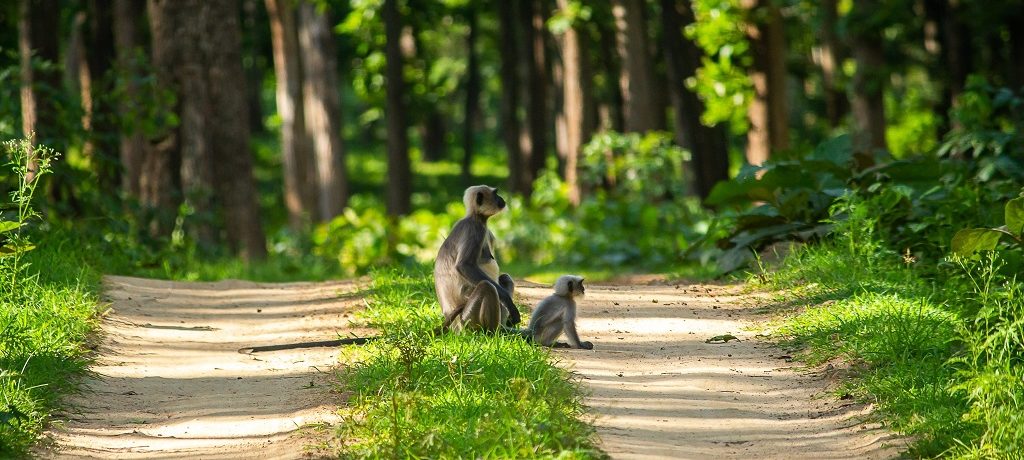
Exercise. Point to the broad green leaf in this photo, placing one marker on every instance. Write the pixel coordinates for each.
(1015, 216)
(8, 249)
(7, 225)
(971, 240)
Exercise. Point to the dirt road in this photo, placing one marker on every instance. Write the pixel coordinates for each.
(169, 383)
(658, 390)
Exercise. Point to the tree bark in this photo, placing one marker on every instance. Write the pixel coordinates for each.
(768, 112)
(37, 40)
(472, 96)
(706, 144)
(577, 102)
(510, 127)
(103, 137)
(831, 55)
(322, 105)
(867, 104)
(129, 47)
(534, 143)
(300, 191)
(399, 187)
(212, 137)
(642, 110)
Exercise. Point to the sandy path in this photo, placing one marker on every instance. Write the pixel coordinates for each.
(659, 391)
(169, 382)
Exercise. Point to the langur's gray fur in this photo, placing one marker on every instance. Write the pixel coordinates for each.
(473, 293)
(557, 314)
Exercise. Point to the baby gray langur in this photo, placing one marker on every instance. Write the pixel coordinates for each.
(473, 292)
(557, 314)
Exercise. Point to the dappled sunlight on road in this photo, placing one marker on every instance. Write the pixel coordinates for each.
(169, 382)
(658, 389)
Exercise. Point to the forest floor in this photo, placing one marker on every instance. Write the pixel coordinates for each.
(168, 381)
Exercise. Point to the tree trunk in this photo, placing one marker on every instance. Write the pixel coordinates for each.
(868, 84)
(1016, 28)
(129, 49)
(769, 128)
(472, 96)
(252, 27)
(830, 58)
(103, 137)
(642, 110)
(300, 191)
(706, 144)
(37, 40)
(534, 143)
(510, 126)
(212, 137)
(322, 104)
(399, 187)
(577, 102)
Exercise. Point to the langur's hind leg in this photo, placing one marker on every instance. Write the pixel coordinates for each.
(483, 308)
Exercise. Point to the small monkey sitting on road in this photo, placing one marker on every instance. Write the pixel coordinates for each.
(557, 314)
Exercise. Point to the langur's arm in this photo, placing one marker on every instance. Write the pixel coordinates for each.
(468, 265)
(569, 327)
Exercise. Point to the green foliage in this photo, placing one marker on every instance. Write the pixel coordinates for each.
(636, 213)
(454, 396)
(47, 307)
(722, 81)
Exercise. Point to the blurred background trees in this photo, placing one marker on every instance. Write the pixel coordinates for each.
(222, 122)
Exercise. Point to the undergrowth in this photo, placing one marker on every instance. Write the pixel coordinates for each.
(417, 395)
(48, 306)
(937, 348)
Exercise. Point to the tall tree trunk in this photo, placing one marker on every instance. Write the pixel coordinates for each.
(577, 102)
(867, 104)
(510, 127)
(102, 144)
(831, 54)
(254, 71)
(706, 144)
(300, 191)
(129, 49)
(322, 105)
(769, 128)
(947, 39)
(399, 187)
(610, 111)
(472, 95)
(212, 137)
(37, 40)
(1016, 28)
(534, 142)
(642, 110)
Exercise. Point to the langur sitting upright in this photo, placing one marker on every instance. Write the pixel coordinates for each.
(473, 293)
(557, 314)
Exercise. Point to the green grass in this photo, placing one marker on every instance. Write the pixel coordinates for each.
(955, 388)
(454, 396)
(44, 325)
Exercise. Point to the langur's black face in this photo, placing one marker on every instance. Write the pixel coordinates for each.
(498, 200)
(487, 200)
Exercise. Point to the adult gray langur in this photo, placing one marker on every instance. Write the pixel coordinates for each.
(556, 314)
(473, 292)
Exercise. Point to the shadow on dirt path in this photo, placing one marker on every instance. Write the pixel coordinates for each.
(658, 390)
(169, 383)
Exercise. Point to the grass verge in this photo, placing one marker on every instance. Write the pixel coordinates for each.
(45, 321)
(417, 395)
(920, 345)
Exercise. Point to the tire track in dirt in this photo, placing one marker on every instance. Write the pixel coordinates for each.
(658, 390)
(168, 381)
